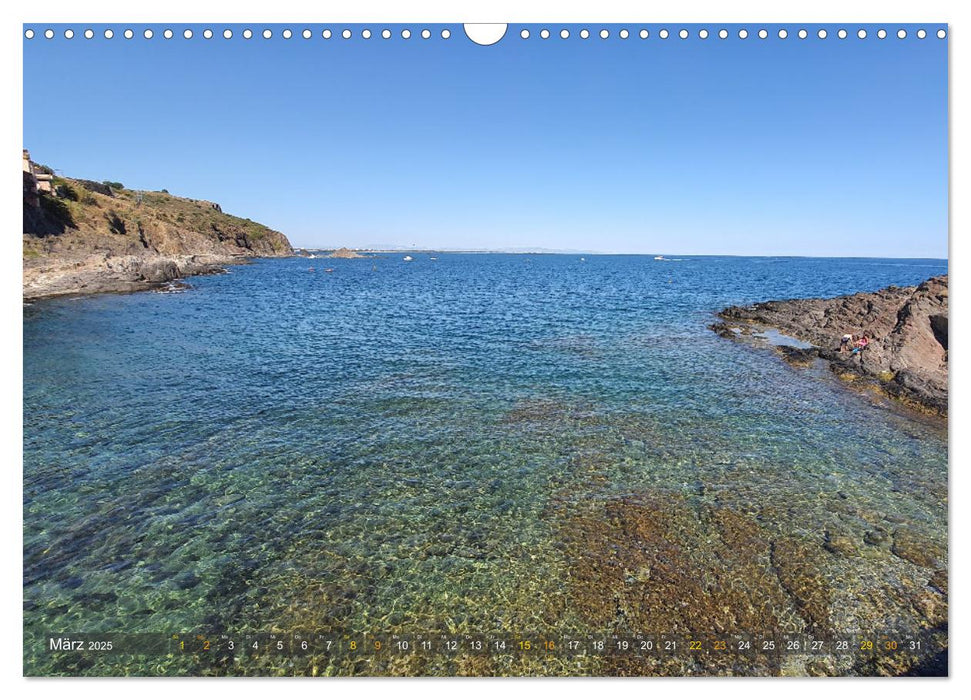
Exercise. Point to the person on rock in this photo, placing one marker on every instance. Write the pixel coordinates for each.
(861, 344)
(845, 342)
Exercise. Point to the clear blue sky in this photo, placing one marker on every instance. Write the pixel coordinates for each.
(782, 147)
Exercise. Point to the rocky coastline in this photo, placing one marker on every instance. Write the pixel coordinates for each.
(907, 328)
(82, 237)
(119, 274)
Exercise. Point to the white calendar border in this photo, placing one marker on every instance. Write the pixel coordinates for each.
(709, 11)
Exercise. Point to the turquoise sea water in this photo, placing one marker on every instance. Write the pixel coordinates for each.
(416, 446)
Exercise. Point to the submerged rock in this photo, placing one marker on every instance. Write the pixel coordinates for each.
(838, 543)
(667, 564)
(876, 537)
(939, 580)
(911, 545)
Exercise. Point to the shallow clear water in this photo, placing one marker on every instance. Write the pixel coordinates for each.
(408, 446)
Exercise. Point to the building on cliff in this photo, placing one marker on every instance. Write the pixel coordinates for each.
(36, 181)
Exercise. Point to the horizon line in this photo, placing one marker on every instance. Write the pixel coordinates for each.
(541, 251)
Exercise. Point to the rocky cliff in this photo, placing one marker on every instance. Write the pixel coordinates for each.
(91, 238)
(907, 328)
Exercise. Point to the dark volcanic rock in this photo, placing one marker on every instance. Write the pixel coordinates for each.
(722, 329)
(907, 328)
(800, 357)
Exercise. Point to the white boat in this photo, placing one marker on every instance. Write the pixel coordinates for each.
(659, 257)
(407, 258)
(311, 256)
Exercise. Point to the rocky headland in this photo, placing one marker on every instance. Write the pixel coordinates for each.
(907, 328)
(83, 237)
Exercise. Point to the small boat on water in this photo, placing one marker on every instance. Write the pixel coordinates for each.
(311, 256)
(659, 257)
(408, 258)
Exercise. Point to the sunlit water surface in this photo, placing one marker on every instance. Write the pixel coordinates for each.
(414, 446)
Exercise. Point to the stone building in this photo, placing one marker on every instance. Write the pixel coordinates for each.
(36, 181)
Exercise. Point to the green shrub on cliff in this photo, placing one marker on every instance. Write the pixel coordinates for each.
(64, 190)
(102, 219)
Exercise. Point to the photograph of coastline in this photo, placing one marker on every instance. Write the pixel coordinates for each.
(582, 350)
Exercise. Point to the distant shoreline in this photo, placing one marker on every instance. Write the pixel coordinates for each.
(666, 256)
